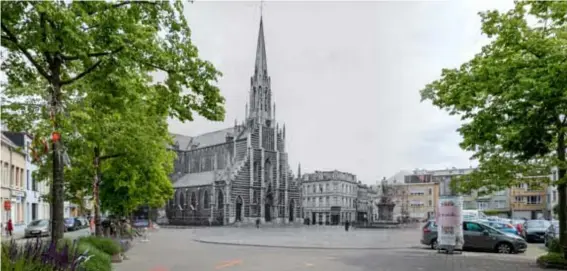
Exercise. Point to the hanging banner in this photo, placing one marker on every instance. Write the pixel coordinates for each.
(450, 222)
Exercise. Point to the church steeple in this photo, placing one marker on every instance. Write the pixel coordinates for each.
(260, 108)
(261, 64)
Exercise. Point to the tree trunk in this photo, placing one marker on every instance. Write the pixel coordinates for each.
(57, 189)
(561, 190)
(96, 185)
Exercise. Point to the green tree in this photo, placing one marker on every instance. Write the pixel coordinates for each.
(52, 47)
(512, 98)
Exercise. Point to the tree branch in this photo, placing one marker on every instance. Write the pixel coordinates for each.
(104, 157)
(14, 40)
(83, 74)
(42, 21)
(117, 50)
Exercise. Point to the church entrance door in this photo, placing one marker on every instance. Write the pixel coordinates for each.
(268, 208)
(291, 210)
(238, 208)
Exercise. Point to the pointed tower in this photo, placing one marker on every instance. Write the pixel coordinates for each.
(260, 109)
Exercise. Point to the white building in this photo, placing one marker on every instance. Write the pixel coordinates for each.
(12, 182)
(329, 197)
(35, 206)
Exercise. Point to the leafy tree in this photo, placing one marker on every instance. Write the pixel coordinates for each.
(54, 47)
(512, 98)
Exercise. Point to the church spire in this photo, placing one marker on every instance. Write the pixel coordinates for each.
(261, 64)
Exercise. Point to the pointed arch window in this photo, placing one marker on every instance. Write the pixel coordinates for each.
(268, 171)
(193, 201)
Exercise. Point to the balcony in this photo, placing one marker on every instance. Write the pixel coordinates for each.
(520, 206)
(523, 192)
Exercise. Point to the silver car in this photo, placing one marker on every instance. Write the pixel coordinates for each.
(38, 228)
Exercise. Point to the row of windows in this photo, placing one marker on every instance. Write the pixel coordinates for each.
(320, 188)
(328, 202)
(12, 176)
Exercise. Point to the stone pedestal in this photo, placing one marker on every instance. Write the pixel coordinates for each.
(386, 211)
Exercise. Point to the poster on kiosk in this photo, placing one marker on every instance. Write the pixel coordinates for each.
(450, 222)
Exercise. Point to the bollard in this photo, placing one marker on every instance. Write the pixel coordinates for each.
(145, 235)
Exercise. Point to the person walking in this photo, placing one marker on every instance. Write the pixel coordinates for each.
(347, 225)
(9, 227)
(257, 223)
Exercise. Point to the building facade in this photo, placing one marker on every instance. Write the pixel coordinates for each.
(13, 183)
(36, 205)
(239, 174)
(329, 197)
(529, 201)
(422, 199)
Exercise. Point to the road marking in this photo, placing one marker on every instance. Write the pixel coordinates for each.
(309, 264)
(228, 264)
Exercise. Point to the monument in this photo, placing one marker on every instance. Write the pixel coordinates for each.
(386, 205)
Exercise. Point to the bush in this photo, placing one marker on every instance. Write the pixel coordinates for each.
(38, 255)
(555, 246)
(552, 260)
(104, 244)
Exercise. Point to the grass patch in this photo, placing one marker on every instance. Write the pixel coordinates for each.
(104, 244)
(552, 260)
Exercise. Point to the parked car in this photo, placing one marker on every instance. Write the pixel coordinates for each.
(551, 233)
(84, 223)
(534, 230)
(72, 223)
(38, 228)
(503, 226)
(479, 236)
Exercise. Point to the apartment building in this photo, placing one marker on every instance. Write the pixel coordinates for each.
(13, 183)
(36, 205)
(529, 200)
(552, 195)
(422, 199)
(329, 197)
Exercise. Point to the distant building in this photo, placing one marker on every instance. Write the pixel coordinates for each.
(36, 206)
(239, 174)
(329, 197)
(13, 182)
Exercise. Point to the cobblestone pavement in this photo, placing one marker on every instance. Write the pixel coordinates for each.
(175, 250)
(329, 237)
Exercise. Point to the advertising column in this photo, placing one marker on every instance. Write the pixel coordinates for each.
(450, 223)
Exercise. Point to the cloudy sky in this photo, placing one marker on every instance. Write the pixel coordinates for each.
(346, 77)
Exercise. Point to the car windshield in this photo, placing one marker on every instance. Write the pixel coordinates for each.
(538, 224)
(36, 223)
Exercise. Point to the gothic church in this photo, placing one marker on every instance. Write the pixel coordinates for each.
(239, 174)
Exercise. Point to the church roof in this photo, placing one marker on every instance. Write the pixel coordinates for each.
(195, 179)
(203, 140)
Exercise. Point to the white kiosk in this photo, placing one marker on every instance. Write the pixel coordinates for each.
(450, 224)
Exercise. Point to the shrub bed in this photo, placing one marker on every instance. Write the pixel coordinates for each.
(66, 255)
(104, 244)
(552, 260)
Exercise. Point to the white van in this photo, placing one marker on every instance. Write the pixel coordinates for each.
(469, 215)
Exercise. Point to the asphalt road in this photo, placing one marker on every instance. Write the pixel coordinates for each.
(175, 250)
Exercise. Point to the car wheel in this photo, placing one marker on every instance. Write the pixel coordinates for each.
(434, 244)
(504, 248)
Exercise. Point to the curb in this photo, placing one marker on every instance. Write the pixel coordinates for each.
(299, 247)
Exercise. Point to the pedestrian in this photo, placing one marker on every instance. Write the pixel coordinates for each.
(347, 225)
(257, 223)
(92, 225)
(9, 227)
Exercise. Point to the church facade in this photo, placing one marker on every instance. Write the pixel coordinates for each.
(238, 174)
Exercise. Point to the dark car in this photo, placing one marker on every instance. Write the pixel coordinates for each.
(478, 236)
(72, 224)
(534, 230)
(552, 233)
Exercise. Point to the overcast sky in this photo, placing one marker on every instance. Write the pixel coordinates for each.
(346, 77)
